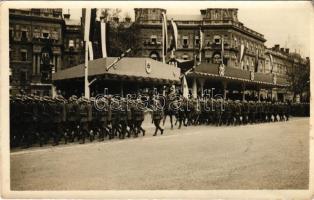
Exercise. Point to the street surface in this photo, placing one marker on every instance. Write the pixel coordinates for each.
(263, 156)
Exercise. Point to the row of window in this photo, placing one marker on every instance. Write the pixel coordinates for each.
(73, 43)
(24, 34)
(217, 39)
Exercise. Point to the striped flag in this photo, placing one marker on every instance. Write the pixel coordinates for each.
(88, 22)
(174, 42)
(242, 51)
(96, 33)
(164, 35)
(201, 39)
(271, 63)
(256, 61)
(185, 88)
(103, 31)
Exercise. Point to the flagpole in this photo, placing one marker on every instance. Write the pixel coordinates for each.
(163, 40)
(86, 84)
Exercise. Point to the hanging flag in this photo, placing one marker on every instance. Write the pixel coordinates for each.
(100, 40)
(256, 61)
(200, 45)
(88, 22)
(103, 39)
(201, 39)
(271, 63)
(242, 52)
(174, 42)
(185, 88)
(165, 35)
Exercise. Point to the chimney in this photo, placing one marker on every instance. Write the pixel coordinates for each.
(282, 50)
(66, 16)
(277, 47)
(287, 50)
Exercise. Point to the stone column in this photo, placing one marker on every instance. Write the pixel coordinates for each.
(38, 64)
(34, 64)
(194, 88)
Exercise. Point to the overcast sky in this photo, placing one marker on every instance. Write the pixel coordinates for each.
(284, 23)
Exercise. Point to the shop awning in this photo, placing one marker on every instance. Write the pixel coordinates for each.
(136, 69)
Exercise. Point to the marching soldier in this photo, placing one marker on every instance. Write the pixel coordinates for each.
(138, 111)
(84, 119)
(157, 115)
(73, 116)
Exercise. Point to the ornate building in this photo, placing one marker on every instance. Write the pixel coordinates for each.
(35, 48)
(248, 65)
(73, 44)
(217, 25)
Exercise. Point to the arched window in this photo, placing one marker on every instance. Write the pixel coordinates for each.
(217, 58)
(217, 39)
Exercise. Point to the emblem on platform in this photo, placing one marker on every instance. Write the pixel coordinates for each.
(252, 75)
(221, 70)
(275, 79)
(148, 67)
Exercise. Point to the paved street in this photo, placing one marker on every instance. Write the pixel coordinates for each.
(264, 156)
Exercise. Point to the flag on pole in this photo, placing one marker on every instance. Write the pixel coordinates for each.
(88, 22)
(271, 63)
(256, 60)
(201, 39)
(242, 50)
(174, 42)
(185, 88)
(164, 35)
(200, 45)
(103, 30)
(100, 41)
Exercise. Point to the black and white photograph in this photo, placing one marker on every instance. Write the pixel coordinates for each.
(156, 96)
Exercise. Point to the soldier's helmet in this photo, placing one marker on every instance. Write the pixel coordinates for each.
(74, 98)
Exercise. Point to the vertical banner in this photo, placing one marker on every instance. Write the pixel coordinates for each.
(174, 44)
(164, 36)
(200, 45)
(103, 39)
(241, 55)
(185, 88)
(271, 63)
(86, 17)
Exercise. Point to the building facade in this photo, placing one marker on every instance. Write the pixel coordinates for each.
(225, 39)
(36, 42)
(217, 25)
(73, 45)
(43, 41)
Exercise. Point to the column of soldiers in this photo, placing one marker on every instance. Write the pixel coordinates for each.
(35, 119)
(41, 119)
